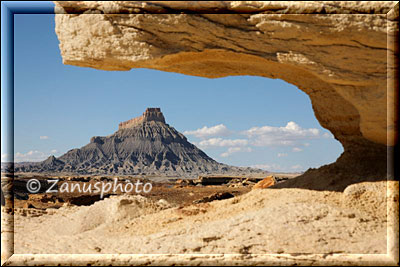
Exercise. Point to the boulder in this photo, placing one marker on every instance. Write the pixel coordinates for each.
(265, 183)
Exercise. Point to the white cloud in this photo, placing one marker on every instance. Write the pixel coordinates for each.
(33, 155)
(205, 132)
(289, 135)
(44, 137)
(233, 150)
(327, 135)
(219, 142)
(268, 167)
(54, 151)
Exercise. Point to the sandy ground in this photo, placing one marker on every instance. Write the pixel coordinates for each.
(261, 221)
(253, 222)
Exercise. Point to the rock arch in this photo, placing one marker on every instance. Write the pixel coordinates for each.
(336, 52)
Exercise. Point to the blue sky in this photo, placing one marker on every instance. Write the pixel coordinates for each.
(243, 120)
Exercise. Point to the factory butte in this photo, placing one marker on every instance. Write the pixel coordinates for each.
(145, 145)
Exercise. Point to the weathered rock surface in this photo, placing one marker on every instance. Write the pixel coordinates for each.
(286, 221)
(144, 145)
(338, 55)
(265, 183)
(151, 114)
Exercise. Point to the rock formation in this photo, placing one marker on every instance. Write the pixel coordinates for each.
(267, 182)
(151, 114)
(342, 55)
(143, 145)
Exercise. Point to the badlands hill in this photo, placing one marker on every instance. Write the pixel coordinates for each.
(143, 145)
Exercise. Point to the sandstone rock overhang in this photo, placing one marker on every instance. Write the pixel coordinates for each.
(342, 54)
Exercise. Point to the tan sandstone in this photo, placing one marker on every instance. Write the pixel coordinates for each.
(341, 54)
(343, 62)
(357, 226)
(265, 183)
(151, 114)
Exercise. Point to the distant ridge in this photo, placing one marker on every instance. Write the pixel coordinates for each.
(144, 145)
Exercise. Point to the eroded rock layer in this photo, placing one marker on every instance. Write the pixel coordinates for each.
(146, 145)
(151, 114)
(337, 54)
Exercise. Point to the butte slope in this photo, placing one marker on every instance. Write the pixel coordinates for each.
(142, 145)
